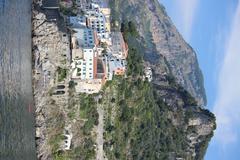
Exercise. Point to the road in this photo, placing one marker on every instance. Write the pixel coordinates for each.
(100, 131)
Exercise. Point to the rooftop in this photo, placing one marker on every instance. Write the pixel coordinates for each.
(77, 21)
(118, 44)
(85, 37)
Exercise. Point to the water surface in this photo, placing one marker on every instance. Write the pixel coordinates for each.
(16, 100)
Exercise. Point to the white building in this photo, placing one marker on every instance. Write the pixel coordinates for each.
(85, 68)
(77, 21)
(114, 66)
(85, 37)
(98, 22)
(67, 141)
(148, 73)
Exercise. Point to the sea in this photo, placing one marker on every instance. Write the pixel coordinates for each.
(17, 131)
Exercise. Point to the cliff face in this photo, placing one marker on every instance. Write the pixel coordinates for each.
(162, 38)
(177, 78)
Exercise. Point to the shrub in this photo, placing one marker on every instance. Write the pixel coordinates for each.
(62, 74)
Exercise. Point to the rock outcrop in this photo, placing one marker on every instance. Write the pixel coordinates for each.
(51, 49)
(161, 37)
(177, 78)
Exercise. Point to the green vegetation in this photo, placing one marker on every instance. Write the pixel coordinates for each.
(85, 150)
(141, 123)
(114, 15)
(135, 52)
(129, 30)
(71, 84)
(69, 11)
(187, 98)
(62, 74)
(56, 123)
(141, 128)
(88, 111)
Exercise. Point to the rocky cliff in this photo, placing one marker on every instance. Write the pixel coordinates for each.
(177, 78)
(161, 38)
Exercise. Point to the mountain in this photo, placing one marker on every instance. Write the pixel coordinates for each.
(177, 80)
(162, 38)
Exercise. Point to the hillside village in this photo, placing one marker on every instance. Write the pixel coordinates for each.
(75, 51)
(97, 54)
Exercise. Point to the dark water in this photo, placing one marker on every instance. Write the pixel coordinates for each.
(16, 99)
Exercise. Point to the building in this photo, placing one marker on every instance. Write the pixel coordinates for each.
(85, 37)
(86, 66)
(98, 22)
(77, 21)
(107, 13)
(101, 70)
(96, 54)
(148, 73)
(116, 66)
(119, 47)
(82, 4)
(77, 52)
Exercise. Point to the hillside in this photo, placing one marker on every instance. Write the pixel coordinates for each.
(161, 38)
(152, 120)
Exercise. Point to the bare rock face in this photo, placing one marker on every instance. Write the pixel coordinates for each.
(162, 38)
(50, 51)
(172, 60)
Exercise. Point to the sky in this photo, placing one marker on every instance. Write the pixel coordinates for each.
(212, 28)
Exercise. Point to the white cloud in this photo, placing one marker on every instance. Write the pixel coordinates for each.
(186, 16)
(227, 105)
